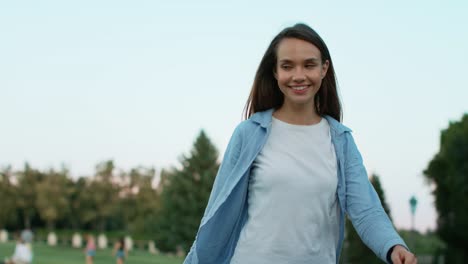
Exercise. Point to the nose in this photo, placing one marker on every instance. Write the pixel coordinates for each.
(298, 75)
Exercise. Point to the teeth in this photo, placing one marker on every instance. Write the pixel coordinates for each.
(299, 88)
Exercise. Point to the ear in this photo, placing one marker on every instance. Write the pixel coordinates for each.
(275, 74)
(325, 68)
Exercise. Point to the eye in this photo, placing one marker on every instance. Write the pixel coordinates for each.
(310, 66)
(286, 67)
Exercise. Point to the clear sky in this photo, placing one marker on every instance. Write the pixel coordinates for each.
(135, 81)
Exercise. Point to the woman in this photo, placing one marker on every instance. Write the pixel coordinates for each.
(90, 250)
(292, 171)
(120, 252)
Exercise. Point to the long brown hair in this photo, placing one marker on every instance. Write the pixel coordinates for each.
(265, 93)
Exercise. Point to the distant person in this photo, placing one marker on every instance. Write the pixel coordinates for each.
(292, 172)
(120, 251)
(90, 250)
(27, 236)
(22, 253)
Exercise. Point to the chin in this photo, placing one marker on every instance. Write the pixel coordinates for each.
(301, 102)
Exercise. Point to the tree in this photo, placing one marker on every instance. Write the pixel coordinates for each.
(149, 204)
(81, 212)
(84, 204)
(104, 191)
(7, 197)
(53, 197)
(139, 201)
(26, 191)
(448, 172)
(185, 194)
(356, 251)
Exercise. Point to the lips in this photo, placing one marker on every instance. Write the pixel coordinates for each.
(299, 87)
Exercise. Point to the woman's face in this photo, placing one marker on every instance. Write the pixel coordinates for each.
(299, 71)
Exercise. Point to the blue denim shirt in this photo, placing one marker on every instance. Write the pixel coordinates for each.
(226, 212)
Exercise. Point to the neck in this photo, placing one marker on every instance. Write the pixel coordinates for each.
(297, 114)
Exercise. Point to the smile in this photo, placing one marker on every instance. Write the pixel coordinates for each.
(299, 88)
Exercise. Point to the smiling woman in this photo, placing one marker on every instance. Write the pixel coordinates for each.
(292, 171)
(296, 60)
(299, 73)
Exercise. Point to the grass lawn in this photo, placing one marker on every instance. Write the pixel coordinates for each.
(44, 254)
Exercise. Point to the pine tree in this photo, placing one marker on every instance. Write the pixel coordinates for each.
(355, 250)
(185, 194)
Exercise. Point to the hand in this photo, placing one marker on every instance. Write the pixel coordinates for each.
(402, 256)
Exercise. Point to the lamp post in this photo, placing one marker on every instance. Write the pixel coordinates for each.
(413, 203)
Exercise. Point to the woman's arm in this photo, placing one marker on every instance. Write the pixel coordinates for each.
(364, 207)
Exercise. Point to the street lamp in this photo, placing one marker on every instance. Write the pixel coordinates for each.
(413, 202)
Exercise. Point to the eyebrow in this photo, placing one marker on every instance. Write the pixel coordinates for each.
(314, 60)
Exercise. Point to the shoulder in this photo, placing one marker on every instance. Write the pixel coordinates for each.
(248, 126)
(343, 139)
(341, 134)
(241, 133)
(337, 127)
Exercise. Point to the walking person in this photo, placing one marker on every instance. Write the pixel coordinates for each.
(292, 172)
(90, 250)
(120, 251)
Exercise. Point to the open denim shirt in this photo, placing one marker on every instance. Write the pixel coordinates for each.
(226, 212)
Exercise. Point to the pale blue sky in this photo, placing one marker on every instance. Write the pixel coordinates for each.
(135, 81)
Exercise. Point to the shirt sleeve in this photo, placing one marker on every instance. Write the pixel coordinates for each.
(364, 207)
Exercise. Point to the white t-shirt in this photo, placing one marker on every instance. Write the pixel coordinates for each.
(22, 254)
(293, 206)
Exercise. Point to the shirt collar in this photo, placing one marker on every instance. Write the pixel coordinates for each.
(264, 119)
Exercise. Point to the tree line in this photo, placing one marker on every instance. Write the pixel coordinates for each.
(113, 199)
(107, 200)
(170, 214)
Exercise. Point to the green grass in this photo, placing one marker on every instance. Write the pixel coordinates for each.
(44, 254)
